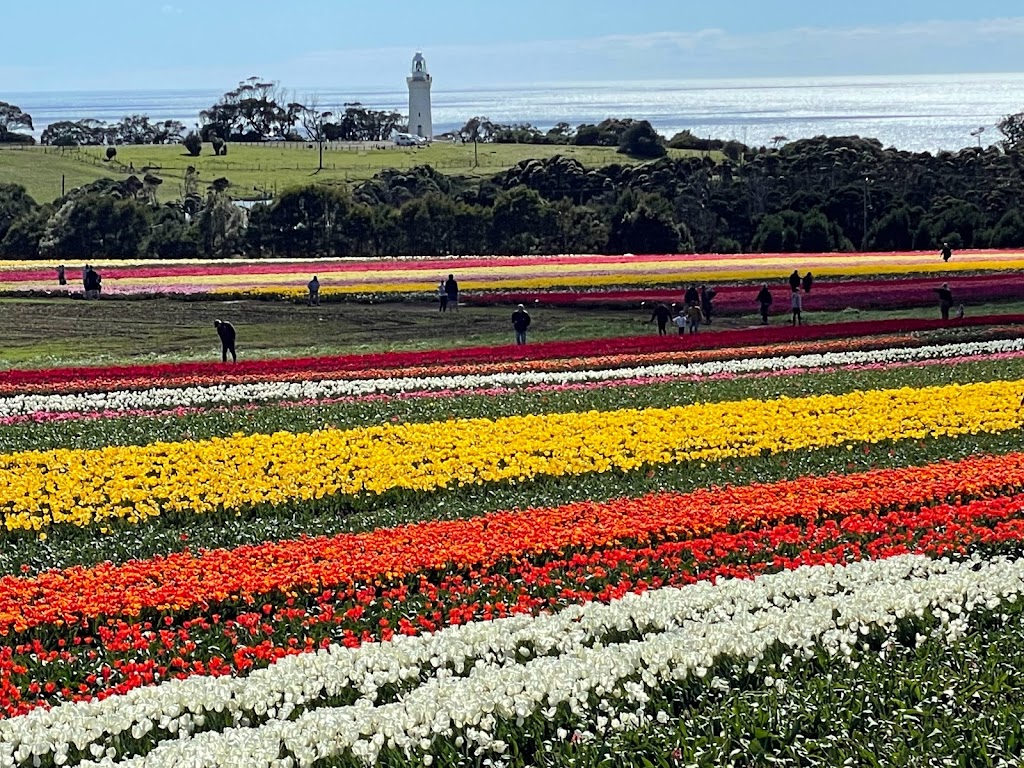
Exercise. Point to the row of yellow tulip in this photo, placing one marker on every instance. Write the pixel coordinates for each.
(83, 487)
(285, 285)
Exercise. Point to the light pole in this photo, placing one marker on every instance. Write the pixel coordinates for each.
(977, 134)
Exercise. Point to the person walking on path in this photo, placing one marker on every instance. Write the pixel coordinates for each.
(226, 331)
(521, 323)
(808, 282)
(61, 276)
(945, 300)
(442, 297)
(451, 289)
(662, 314)
(794, 280)
(796, 302)
(694, 316)
(764, 298)
(692, 297)
(707, 297)
(314, 292)
(947, 252)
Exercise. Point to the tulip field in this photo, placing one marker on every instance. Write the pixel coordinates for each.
(875, 279)
(772, 546)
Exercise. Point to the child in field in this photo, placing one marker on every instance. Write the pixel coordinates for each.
(680, 322)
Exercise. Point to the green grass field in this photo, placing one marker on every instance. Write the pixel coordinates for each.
(268, 169)
(47, 332)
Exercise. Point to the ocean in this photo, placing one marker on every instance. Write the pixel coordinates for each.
(915, 113)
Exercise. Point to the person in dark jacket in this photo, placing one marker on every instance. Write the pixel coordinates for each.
(707, 297)
(92, 284)
(764, 298)
(662, 314)
(451, 287)
(520, 322)
(947, 252)
(808, 282)
(692, 297)
(794, 281)
(226, 331)
(945, 300)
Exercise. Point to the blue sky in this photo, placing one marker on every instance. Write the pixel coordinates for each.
(150, 44)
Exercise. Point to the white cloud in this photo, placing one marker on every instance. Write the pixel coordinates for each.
(170, 10)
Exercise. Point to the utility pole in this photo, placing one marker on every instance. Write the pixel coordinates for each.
(323, 116)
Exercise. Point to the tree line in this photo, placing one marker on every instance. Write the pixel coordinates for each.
(815, 195)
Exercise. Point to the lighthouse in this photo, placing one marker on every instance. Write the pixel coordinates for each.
(420, 121)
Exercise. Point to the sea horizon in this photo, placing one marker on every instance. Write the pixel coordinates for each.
(910, 112)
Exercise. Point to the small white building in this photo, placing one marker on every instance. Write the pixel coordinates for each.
(421, 122)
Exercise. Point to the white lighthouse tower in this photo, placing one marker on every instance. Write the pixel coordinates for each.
(421, 122)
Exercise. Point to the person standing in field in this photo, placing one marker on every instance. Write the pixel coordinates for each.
(662, 314)
(314, 292)
(520, 323)
(85, 273)
(226, 331)
(92, 284)
(694, 315)
(442, 297)
(796, 302)
(764, 298)
(947, 252)
(451, 289)
(61, 276)
(692, 297)
(808, 282)
(945, 300)
(794, 280)
(707, 296)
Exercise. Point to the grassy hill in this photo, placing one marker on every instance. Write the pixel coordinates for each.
(256, 170)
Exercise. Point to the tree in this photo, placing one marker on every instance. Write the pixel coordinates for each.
(15, 202)
(220, 224)
(218, 145)
(648, 228)
(25, 234)
(194, 144)
(111, 153)
(892, 232)
(641, 140)
(83, 133)
(172, 237)
(98, 225)
(1012, 128)
(521, 221)
(12, 117)
(251, 112)
(816, 233)
(1009, 231)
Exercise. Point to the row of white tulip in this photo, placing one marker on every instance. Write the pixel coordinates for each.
(464, 681)
(290, 391)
